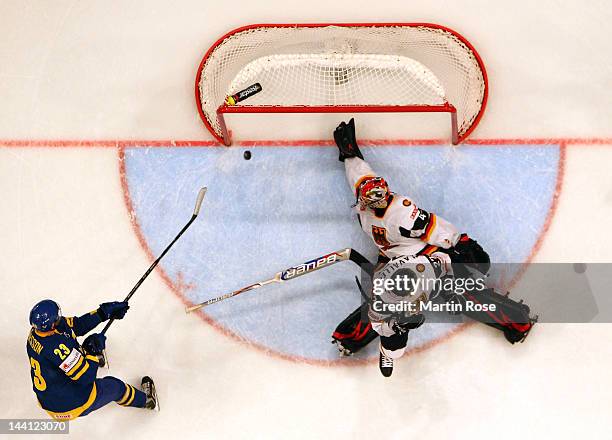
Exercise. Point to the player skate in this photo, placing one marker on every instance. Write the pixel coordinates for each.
(385, 364)
(400, 229)
(148, 387)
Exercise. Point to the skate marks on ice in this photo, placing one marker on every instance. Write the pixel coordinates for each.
(290, 204)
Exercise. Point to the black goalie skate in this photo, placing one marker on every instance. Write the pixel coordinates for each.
(148, 387)
(385, 363)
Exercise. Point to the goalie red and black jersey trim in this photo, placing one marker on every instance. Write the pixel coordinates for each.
(423, 226)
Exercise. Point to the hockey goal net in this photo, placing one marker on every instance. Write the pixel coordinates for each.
(343, 68)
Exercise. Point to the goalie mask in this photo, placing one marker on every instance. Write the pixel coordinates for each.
(373, 193)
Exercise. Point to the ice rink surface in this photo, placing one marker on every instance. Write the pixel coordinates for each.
(94, 98)
(296, 207)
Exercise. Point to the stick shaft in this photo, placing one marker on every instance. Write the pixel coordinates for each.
(285, 275)
(155, 263)
(229, 295)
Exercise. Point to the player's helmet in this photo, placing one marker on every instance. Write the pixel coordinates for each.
(45, 315)
(373, 193)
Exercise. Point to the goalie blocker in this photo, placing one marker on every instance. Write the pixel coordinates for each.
(503, 313)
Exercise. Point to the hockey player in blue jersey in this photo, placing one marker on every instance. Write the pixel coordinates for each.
(64, 371)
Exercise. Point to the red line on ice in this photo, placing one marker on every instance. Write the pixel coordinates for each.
(186, 143)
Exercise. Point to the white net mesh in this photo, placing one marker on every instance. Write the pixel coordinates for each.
(370, 65)
(339, 79)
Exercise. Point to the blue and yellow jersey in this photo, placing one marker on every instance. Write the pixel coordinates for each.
(62, 373)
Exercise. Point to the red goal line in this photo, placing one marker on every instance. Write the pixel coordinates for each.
(187, 143)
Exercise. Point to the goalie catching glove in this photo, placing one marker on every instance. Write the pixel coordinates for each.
(345, 138)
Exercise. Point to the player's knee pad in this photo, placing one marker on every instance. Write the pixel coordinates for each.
(111, 386)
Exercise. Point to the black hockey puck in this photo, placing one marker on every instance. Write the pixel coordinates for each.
(580, 267)
(247, 155)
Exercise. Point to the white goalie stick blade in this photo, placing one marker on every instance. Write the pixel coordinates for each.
(285, 275)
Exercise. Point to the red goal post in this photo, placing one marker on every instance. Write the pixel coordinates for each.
(343, 68)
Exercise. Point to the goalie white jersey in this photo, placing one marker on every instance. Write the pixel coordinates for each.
(402, 228)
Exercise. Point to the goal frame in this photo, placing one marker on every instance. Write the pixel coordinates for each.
(226, 139)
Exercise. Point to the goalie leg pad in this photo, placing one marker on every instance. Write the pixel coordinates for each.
(503, 313)
(353, 333)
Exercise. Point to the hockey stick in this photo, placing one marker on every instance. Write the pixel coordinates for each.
(196, 211)
(285, 275)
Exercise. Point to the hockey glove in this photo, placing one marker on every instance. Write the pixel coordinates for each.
(344, 135)
(411, 323)
(114, 310)
(468, 253)
(95, 344)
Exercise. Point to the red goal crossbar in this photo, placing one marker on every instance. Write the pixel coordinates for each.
(226, 137)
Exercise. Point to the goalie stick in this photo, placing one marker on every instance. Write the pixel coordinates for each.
(289, 274)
